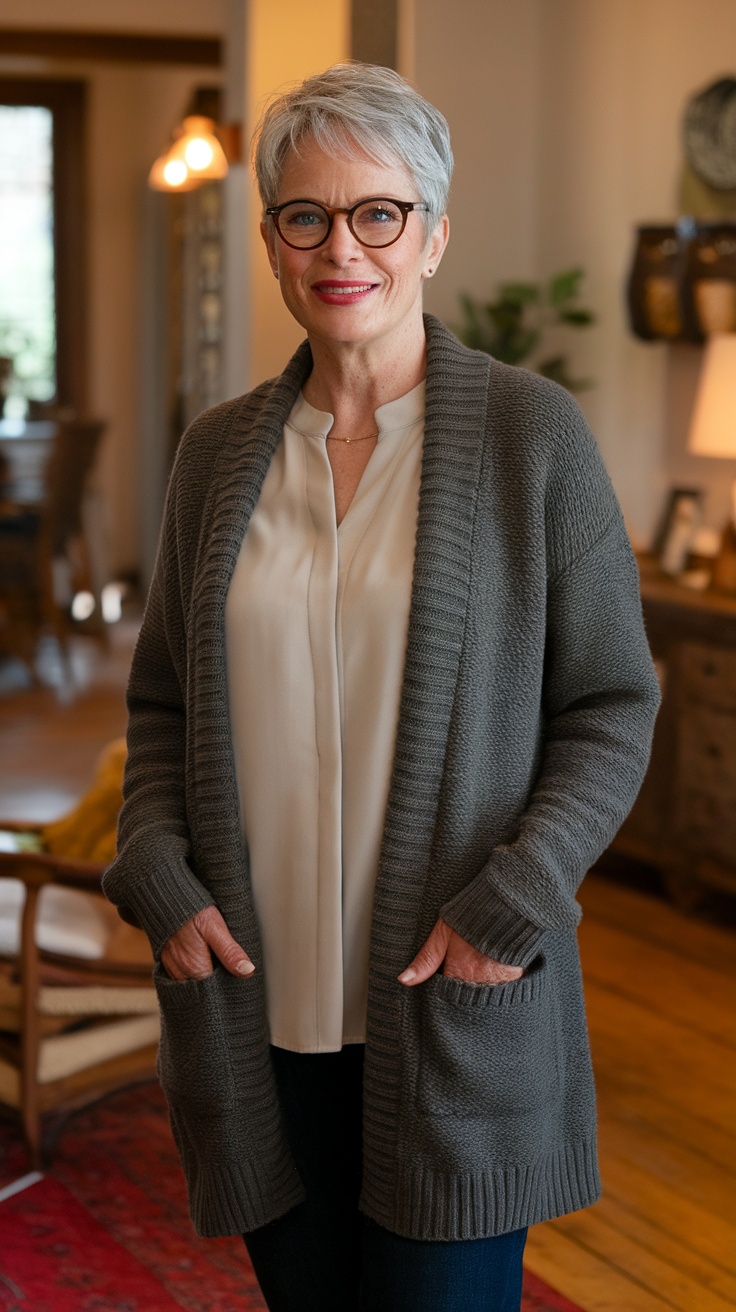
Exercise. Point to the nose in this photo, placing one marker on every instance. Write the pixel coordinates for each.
(341, 246)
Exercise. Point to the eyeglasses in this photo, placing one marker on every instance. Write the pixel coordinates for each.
(377, 221)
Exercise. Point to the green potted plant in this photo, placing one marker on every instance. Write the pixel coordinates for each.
(511, 327)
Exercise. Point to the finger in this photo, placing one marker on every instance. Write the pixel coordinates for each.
(429, 958)
(480, 972)
(507, 973)
(216, 934)
(463, 961)
(186, 955)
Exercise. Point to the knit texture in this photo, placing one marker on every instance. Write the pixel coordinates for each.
(525, 726)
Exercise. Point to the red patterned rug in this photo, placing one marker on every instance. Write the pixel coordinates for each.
(108, 1231)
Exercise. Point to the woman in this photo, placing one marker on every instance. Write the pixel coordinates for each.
(391, 699)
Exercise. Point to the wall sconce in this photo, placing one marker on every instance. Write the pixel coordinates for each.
(197, 155)
(713, 433)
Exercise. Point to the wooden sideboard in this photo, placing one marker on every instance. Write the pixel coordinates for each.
(684, 821)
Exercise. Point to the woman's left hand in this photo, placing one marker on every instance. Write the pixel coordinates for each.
(455, 956)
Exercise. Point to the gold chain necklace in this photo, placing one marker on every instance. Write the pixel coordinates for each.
(349, 440)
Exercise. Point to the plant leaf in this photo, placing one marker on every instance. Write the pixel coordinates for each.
(511, 326)
(565, 286)
(505, 316)
(577, 318)
(519, 293)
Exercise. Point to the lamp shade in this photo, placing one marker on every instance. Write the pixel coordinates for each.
(196, 157)
(713, 425)
(199, 149)
(169, 174)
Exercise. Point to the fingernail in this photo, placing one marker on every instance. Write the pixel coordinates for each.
(407, 975)
(245, 967)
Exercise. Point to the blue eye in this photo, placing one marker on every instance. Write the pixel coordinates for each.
(379, 214)
(301, 217)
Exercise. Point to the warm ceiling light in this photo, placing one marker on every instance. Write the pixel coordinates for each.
(200, 149)
(195, 157)
(175, 172)
(169, 174)
(198, 154)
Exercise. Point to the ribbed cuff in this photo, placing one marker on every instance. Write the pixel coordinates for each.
(478, 914)
(161, 903)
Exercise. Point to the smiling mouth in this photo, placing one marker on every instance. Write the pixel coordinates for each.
(344, 289)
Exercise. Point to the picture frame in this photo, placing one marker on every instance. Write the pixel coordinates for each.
(680, 521)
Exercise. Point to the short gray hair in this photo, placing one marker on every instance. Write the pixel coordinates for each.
(363, 105)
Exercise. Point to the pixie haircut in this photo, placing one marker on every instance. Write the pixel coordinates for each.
(358, 108)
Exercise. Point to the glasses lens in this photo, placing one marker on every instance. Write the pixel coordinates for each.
(303, 224)
(378, 222)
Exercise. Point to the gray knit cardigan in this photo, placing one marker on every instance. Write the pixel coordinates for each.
(526, 716)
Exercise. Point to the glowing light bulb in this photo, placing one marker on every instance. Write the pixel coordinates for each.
(175, 172)
(198, 154)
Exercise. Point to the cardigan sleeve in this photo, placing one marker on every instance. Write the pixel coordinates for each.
(601, 697)
(151, 880)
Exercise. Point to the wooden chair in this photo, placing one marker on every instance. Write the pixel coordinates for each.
(36, 536)
(78, 1011)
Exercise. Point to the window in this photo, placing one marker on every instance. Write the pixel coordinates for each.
(27, 309)
(42, 250)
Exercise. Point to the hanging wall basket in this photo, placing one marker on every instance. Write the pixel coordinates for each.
(682, 285)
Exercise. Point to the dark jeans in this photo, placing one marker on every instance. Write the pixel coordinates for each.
(323, 1256)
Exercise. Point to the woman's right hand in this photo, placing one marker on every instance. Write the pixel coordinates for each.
(188, 953)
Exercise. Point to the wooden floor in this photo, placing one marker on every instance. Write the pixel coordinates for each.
(660, 994)
(660, 991)
(51, 735)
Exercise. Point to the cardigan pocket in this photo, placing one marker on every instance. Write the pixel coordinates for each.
(488, 1050)
(194, 1065)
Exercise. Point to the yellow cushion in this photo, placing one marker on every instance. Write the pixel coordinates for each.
(88, 832)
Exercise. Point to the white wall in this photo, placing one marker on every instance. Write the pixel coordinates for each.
(602, 170)
(480, 63)
(570, 110)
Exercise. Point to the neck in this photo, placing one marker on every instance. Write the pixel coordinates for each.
(351, 380)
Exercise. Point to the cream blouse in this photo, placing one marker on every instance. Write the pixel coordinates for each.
(316, 625)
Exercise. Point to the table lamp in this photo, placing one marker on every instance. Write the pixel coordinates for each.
(713, 433)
